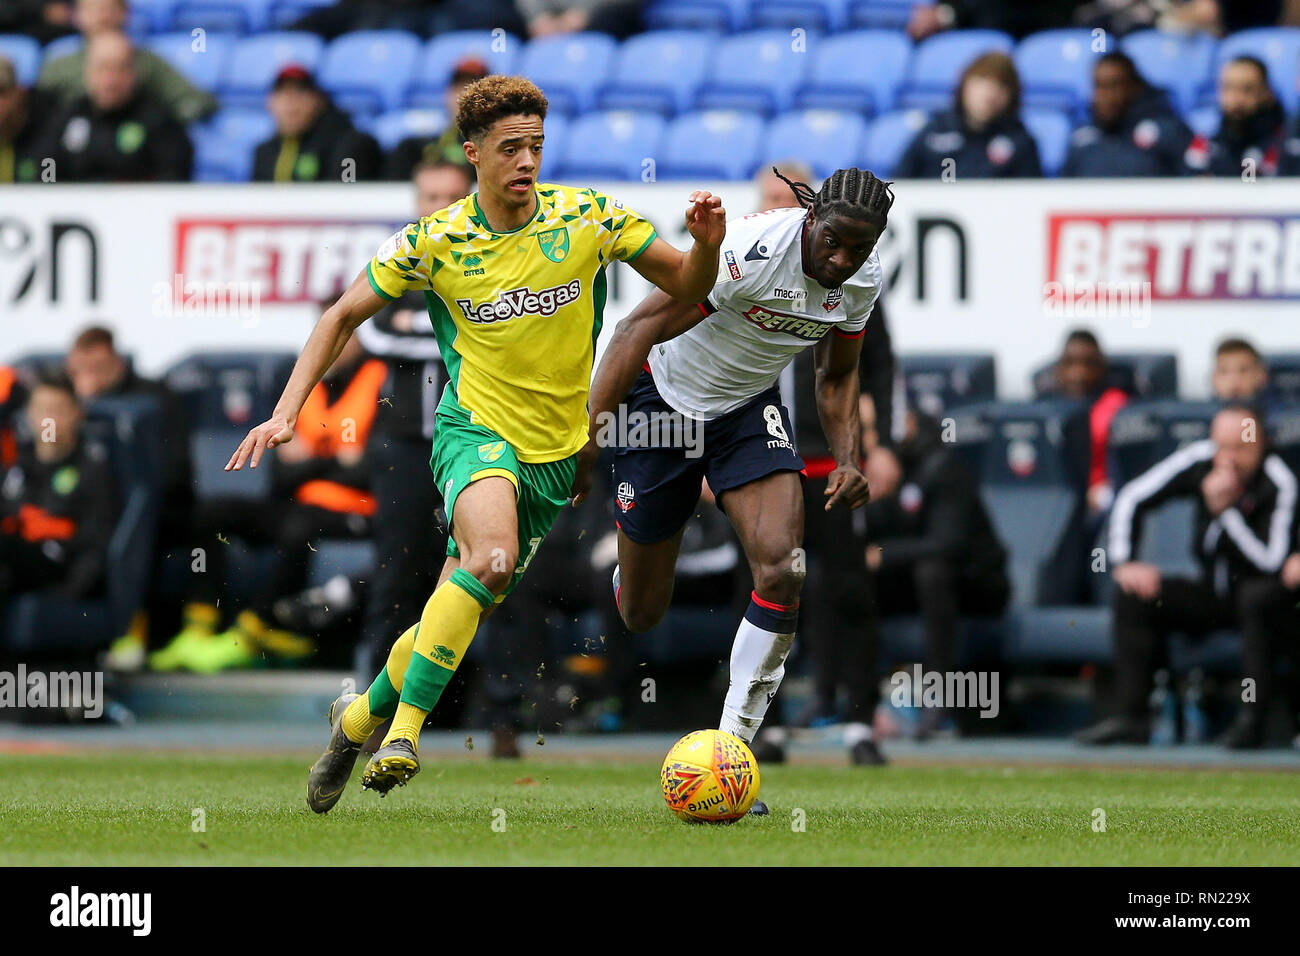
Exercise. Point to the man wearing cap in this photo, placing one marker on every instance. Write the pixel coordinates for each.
(446, 147)
(314, 140)
(117, 132)
(24, 121)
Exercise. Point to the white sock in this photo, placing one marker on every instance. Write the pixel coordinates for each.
(855, 733)
(758, 655)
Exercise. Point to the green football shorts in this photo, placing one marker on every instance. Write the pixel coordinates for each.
(463, 453)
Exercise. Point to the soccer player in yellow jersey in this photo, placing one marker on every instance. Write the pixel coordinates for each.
(514, 278)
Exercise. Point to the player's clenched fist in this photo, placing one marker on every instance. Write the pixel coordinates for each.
(848, 486)
(706, 220)
(274, 431)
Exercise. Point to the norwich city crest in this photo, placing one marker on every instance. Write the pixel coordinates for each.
(491, 451)
(554, 243)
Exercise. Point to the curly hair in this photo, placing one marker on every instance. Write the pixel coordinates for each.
(485, 101)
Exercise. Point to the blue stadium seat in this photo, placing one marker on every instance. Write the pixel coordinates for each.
(368, 71)
(148, 17)
(881, 14)
(938, 381)
(1284, 373)
(223, 146)
(1055, 68)
(1204, 120)
(1051, 131)
(570, 68)
(938, 62)
(1278, 47)
(203, 67)
(888, 137)
(1070, 635)
(1145, 432)
(826, 140)
(61, 47)
(252, 66)
(822, 16)
(24, 53)
(1148, 375)
(719, 144)
(659, 71)
(716, 15)
(440, 55)
(757, 71)
(613, 144)
(221, 16)
(1284, 431)
(857, 71)
(283, 13)
(393, 127)
(1179, 63)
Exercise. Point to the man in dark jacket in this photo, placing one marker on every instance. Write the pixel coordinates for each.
(118, 132)
(1133, 132)
(1251, 128)
(24, 124)
(1245, 533)
(982, 136)
(447, 146)
(314, 140)
(56, 502)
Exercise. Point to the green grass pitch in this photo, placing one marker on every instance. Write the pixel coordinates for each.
(139, 809)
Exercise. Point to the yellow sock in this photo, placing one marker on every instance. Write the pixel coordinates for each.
(447, 627)
(367, 712)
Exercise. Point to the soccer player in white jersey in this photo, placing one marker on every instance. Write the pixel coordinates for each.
(695, 388)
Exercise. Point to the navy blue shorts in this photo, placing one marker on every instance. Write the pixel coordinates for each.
(657, 487)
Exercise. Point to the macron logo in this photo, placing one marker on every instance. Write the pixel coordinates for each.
(76, 909)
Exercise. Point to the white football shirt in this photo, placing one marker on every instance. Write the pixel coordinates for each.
(764, 311)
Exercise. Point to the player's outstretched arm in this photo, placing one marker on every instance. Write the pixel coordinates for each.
(688, 276)
(837, 407)
(323, 346)
(657, 319)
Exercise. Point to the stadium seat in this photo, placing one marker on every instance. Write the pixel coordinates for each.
(201, 64)
(1051, 131)
(822, 16)
(825, 139)
(223, 146)
(881, 14)
(757, 71)
(349, 557)
(440, 55)
(1278, 47)
(24, 53)
(1284, 432)
(888, 137)
(252, 66)
(570, 68)
(1204, 120)
(284, 13)
(1284, 373)
(938, 381)
(1144, 432)
(614, 144)
(221, 16)
(61, 47)
(147, 17)
(718, 144)
(1055, 68)
(129, 429)
(393, 127)
(938, 62)
(717, 15)
(1070, 635)
(659, 71)
(367, 71)
(1142, 374)
(1178, 63)
(857, 71)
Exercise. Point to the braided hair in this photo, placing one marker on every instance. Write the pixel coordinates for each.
(855, 193)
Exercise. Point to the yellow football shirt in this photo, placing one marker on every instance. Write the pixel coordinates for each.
(517, 314)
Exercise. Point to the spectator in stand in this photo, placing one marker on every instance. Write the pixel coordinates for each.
(1017, 17)
(774, 192)
(1245, 537)
(56, 502)
(1241, 375)
(447, 146)
(314, 140)
(13, 398)
(1081, 373)
(321, 489)
(933, 549)
(1252, 126)
(982, 136)
(64, 76)
(1134, 131)
(24, 121)
(45, 20)
(116, 131)
(1215, 17)
(428, 18)
(1289, 161)
(618, 18)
